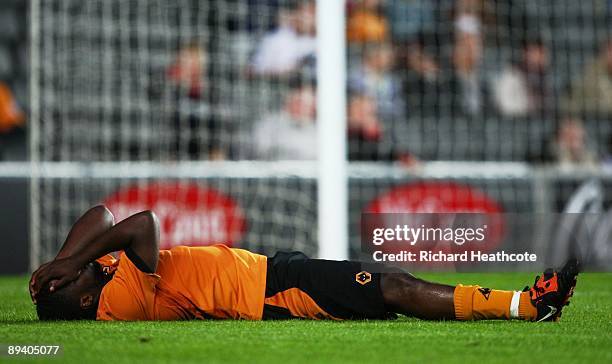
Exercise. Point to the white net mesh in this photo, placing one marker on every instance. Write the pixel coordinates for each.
(475, 79)
(168, 82)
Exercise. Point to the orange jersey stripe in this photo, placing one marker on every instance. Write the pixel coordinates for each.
(299, 304)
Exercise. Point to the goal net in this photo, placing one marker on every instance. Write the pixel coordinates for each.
(204, 111)
(132, 97)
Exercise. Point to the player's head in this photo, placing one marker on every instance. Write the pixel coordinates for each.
(78, 300)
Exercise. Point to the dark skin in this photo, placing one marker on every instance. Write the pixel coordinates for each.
(405, 294)
(138, 234)
(95, 235)
(89, 285)
(91, 224)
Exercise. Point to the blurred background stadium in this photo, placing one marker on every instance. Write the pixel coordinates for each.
(207, 113)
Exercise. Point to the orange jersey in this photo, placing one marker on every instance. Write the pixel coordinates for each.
(189, 283)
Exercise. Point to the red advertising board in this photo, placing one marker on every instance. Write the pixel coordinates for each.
(189, 214)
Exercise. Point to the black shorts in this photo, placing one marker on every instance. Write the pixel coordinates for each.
(300, 287)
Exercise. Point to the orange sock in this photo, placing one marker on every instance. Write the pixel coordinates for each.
(476, 303)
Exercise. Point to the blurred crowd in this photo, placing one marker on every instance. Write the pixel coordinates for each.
(13, 80)
(421, 60)
(410, 62)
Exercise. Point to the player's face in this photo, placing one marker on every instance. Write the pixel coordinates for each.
(87, 280)
(86, 288)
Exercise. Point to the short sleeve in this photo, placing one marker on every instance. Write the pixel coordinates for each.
(108, 263)
(130, 294)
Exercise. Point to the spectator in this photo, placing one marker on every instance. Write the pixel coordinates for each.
(365, 22)
(11, 116)
(570, 146)
(467, 87)
(591, 94)
(11, 120)
(364, 129)
(291, 133)
(481, 10)
(525, 88)
(363, 120)
(377, 119)
(187, 72)
(423, 80)
(369, 139)
(373, 77)
(287, 48)
(198, 127)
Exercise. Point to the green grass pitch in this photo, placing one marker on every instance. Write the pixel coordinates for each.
(583, 335)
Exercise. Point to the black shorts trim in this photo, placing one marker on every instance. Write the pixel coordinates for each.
(334, 286)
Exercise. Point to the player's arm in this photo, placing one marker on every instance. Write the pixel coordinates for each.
(138, 236)
(90, 225)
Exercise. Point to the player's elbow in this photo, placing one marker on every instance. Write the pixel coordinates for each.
(104, 214)
(148, 218)
(143, 230)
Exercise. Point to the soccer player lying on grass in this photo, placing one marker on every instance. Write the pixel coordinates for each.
(182, 283)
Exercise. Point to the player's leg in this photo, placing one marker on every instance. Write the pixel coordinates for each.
(405, 294)
(410, 296)
(312, 288)
(297, 286)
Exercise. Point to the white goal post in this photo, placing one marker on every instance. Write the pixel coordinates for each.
(331, 107)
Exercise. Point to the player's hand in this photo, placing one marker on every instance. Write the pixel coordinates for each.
(33, 280)
(56, 274)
